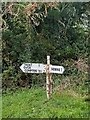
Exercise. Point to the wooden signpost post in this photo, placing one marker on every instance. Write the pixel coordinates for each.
(43, 68)
(48, 78)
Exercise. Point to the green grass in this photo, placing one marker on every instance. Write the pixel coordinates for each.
(33, 103)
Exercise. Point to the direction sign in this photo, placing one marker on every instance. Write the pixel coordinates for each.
(33, 68)
(43, 68)
(56, 69)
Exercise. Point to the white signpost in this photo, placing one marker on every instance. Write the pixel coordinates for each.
(42, 68)
(56, 69)
(33, 68)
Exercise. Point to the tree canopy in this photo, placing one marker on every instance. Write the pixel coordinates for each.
(31, 31)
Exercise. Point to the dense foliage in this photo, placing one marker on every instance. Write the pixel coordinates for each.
(31, 31)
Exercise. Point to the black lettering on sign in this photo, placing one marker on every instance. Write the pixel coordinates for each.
(52, 68)
(55, 69)
(38, 65)
(33, 70)
(29, 70)
(39, 71)
(27, 66)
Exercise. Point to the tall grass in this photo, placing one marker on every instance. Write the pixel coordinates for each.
(33, 103)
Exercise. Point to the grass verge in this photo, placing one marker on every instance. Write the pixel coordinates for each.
(32, 103)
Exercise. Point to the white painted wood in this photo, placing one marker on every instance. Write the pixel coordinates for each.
(48, 60)
(33, 68)
(56, 69)
(48, 78)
